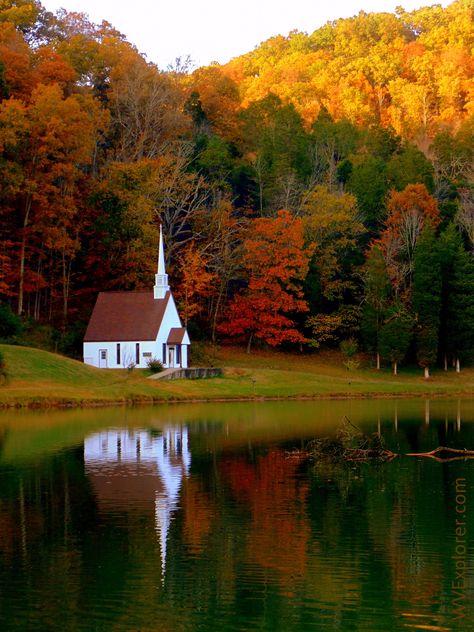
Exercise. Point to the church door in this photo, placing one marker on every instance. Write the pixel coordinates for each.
(102, 358)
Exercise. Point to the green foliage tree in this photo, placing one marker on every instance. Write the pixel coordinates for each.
(426, 297)
(395, 334)
(376, 295)
(410, 166)
(368, 182)
(457, 312)
(10, 323)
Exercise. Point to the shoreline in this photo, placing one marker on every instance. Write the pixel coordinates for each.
(63, 404)
(40, 380)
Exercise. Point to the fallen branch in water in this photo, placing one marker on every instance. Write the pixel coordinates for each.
(445, 454)
(350, 444)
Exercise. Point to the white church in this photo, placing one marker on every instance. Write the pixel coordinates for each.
(130, 328)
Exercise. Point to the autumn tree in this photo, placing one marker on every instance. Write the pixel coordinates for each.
(408, 212)
(220, 230)
(333, 227)
(54, 139)
(276, 262)
(195, 283)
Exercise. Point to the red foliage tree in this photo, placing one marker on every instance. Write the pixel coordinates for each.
(276, 262)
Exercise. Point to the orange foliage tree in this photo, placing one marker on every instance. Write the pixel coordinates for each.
(276, 262)
(408, 212)
(196, 283)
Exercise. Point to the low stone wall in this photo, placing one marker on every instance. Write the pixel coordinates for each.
(196, 373)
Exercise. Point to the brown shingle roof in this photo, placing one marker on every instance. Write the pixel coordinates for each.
(126, 316)
(176, 335)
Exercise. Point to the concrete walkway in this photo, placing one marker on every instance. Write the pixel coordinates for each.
(162, 374)
(192, 373)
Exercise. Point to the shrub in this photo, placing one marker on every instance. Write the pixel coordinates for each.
(3, 369)
(349, 347)
(10, 323)
(155, 365)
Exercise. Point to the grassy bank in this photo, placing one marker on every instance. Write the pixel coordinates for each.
(39, 378)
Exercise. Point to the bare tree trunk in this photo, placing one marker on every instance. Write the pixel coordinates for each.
(458, 366)
(427, 372)
(395, 368)
(445, 361)
(66, 285)
(22, 255)
(378, 361)
(216, 313)
(249, 342)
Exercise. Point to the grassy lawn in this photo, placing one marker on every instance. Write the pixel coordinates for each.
(39, 378)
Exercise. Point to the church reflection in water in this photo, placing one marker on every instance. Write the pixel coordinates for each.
(135, 470)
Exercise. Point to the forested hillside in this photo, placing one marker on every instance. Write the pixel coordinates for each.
(317, 190)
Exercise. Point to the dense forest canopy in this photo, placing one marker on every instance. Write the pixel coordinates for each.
(307, 190)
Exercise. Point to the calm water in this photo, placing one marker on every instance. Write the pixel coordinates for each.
(197, 517)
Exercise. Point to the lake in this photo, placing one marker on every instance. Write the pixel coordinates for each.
(205, 517)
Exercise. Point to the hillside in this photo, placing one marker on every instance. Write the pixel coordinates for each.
(42, 379)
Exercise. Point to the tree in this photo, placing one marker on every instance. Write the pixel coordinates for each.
(410, 166)
(146, 107)
(10, 323)
(376, 295)
(409, 211)
(368, 182)
(276, 262)
(332, 225)
(426, 297)
(277, 145)
(195, 284)
(220, 231)
(395, 334)
(457, 312)
(53, 142)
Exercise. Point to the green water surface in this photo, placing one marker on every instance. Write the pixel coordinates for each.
(205, 517)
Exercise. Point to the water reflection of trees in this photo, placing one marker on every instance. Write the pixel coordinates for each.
(256, 540)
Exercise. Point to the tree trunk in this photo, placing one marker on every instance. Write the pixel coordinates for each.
(378, 361)
(395, 368)
(445, 361)
(458, 366)
(22, 255)
(427, 372)
(216, 313)
(250, 342)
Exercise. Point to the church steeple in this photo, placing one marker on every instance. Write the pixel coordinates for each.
(161, 278)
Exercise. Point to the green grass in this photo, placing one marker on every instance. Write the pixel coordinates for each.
(40, 378)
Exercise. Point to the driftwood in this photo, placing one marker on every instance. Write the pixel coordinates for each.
(445, 454)
(351, 444)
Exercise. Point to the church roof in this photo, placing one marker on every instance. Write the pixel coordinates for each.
(126, 316)
(176, 335)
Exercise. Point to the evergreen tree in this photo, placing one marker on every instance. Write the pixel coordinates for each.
(457, 315)
(376, 293)
(395, 334)
(426, 297)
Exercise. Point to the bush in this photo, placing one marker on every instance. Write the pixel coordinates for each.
(155, 365)
(349, 347)
(3, 369)
(10, 323)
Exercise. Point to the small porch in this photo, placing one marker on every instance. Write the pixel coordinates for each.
(175, 349)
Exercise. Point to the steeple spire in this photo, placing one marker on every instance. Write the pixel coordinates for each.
(161, 278)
